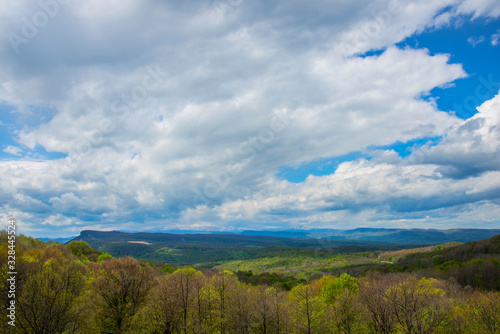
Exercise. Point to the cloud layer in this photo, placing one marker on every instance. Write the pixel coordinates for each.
(171, 115)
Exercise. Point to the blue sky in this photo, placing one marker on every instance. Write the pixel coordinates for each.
(468, 43)
(231, 115)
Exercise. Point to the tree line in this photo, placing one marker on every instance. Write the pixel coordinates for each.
(75, 289)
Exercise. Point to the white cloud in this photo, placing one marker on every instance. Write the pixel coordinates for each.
(476, 40)
(58, 221)
(231, 99)
(389, 22)
(13, 150)
(478, 8)
(419, 189)
(495, 37)
(470, 148)
(67, 203)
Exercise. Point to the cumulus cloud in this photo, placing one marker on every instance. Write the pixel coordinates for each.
(479, 8)
(179, 115)
(387, 188)
(471, 148)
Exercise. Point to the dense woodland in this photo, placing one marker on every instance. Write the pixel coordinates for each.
(76, 289)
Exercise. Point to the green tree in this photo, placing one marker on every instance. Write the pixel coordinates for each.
(167, 269)
(48, 299)
(340, 294)
(333, 288)
(104, 256)
(486, 311)
(80, 248)
(218, 295)
(241, 310)
(307, 308)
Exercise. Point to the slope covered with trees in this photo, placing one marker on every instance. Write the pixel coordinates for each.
(475, 264)
(212, 249)
(76, 289)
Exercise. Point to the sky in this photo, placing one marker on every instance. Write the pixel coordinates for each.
(236, 114)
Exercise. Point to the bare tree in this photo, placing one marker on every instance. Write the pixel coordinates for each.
(417, 304)
(121, 288)
(162, 313)
(272, 312)
(184, 284)
(346, 313)
(372, 290)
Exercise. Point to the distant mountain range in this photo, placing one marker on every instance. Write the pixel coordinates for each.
(61, 240)
(195, 248)
(388, 235)
(356, 236)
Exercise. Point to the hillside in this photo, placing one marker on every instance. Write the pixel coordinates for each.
(474, 264)
(316, 264)
(393, 235)
(191, 249)
(277, 252)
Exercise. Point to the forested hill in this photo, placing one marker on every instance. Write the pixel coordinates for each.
(221, 239)
(301, 238)
(190, 249)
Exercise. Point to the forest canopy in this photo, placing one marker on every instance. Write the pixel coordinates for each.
(76, 289)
